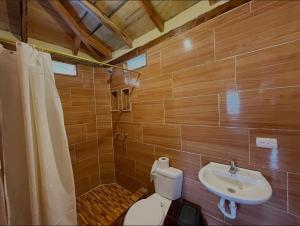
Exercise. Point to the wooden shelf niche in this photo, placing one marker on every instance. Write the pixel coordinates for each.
(126, 104)
(114, 100)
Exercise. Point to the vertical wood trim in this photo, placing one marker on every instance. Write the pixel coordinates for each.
(24, 34)
(76, 47)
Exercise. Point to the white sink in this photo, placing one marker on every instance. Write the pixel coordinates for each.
(244, 187)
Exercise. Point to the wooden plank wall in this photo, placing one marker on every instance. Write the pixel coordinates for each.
(205, 95)
(86, 105)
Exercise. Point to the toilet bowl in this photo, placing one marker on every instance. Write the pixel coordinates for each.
(153, 210)
(150, 211)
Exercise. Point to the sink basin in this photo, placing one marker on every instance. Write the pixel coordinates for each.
(244, 187)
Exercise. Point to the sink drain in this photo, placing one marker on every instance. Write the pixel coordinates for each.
(231, 190)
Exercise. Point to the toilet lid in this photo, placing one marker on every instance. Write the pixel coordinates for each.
(145, 212)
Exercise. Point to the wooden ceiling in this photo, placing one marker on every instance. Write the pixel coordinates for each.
(95, 27)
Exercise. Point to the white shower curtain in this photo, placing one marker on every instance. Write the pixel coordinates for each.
(3, 219)
(47, 186)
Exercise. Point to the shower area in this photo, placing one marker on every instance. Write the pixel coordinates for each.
(56, 146)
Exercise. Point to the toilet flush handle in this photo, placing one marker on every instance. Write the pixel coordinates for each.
(153, 173)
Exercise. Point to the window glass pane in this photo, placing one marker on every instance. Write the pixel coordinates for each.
(137, 62)
(63, 68)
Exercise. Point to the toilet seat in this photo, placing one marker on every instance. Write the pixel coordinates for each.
(145, 212)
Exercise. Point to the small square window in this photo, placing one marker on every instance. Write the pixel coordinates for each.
(137, 62)
(64, 68)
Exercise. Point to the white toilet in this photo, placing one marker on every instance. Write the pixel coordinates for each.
(153, 210)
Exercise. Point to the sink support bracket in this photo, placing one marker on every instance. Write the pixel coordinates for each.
(232, 207)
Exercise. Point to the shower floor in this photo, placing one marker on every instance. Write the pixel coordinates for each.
(106, 204)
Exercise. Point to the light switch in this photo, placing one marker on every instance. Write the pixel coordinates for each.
(263, 142)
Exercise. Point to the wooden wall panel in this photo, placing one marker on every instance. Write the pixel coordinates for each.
(206, 95)
(286, 156)
(278, 181)
(151, 112)
(142, 175)
(105, 141)
(87, 150)
(106, 160)
(201, 110)
(153, 68)
(91, 149)
(125, 165)
(134, 130)
(268, 108)
(187, 50)
(188, 162)
(140, 152)
(122, 117)
(76, 133)
(163, 135)
(205, 79)
(280, 25)
(277, 66)
(157, 88)
(294, 193)
(214, 141)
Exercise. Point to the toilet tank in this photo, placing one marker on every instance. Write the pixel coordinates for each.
(168, 183)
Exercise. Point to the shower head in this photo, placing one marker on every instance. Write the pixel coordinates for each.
(110, 70)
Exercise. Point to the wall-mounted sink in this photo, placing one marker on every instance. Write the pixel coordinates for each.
(244, 186)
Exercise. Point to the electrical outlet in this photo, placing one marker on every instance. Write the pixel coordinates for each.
(263, 142)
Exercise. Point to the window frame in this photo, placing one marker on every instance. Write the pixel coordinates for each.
(146, 61)
(65, 74)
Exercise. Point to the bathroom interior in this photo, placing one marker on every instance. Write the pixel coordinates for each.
(150, 112)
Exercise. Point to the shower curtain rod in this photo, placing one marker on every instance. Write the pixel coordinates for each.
(71, 56)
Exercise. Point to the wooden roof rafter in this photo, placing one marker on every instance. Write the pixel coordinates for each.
(117, 9)
(83, 35)
(107, 21)
(77, 40)
(24, 34)
(109, 16)
(76, 46)
(212, 2)
(152, 14)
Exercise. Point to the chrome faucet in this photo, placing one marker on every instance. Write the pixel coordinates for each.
(233, 169)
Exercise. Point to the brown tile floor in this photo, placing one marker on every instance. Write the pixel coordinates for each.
(105, 204)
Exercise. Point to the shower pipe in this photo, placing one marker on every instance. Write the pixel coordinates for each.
(72, 56)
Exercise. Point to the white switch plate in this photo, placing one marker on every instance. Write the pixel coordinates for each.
(263, 142)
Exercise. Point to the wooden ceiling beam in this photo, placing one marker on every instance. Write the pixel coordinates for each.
(152, 14)
(24, 34)
(107, 22)
(76, 47)
(109, 16)
(93, 51)
(117, 9)
(81, 33)
(212, 2)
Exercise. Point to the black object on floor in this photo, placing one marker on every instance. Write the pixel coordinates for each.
(188, 216)
(184, 213)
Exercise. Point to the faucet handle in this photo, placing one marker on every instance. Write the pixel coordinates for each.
(232, 163)
(233, 169)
